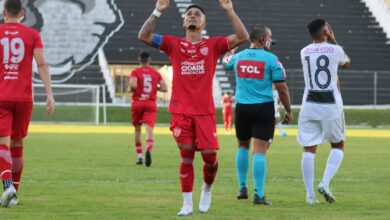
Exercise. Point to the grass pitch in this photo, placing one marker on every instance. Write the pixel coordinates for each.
(89, 172)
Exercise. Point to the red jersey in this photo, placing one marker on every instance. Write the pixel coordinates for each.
(147, 81)
(17, 46)
(193, 73)
(227, 102)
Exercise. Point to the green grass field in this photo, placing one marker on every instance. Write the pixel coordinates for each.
(92, 175)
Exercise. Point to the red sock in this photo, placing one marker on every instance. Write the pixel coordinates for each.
(138, 148)
(149, 144)
(5, 163)
(210, 167)
(187, 170)
(17, 165)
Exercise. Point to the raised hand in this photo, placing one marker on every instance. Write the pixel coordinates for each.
(331, 36)
(161, 5)
(226, 5)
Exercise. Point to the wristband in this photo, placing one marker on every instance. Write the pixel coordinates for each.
(156, 13)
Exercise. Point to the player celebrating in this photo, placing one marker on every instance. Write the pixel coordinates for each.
(277, 106)
(321, 117)
(19, 44)
(227, 112)
(256, 69)
(193, 121)
(144, 83)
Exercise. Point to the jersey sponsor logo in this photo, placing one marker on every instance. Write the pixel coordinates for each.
(192, 68)
(11, 32)
(71, 51)
(250, 69)
(318, 50)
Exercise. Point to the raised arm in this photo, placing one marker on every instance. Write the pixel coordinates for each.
(240, 33)
(332, 40)
(146, 33)
(43, 70)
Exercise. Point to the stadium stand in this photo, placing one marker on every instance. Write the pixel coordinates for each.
(355, 27)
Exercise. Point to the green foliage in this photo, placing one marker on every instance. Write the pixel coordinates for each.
(94, 176)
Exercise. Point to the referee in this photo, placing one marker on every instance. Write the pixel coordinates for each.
(256, 69)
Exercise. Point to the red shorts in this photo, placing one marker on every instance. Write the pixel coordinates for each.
(227, 115)
(198, 130)
(14, 119)
(144, 112)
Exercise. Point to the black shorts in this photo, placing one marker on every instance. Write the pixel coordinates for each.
(255, 120)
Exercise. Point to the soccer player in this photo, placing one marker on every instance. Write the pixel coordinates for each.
(321, 117)
(193, 121)
(256, 69)
(144, 83)
(227, 112)
(19, 45)
(277, 106)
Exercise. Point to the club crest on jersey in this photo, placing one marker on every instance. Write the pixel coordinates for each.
(73, 43)
(204, 50)
(176, 131)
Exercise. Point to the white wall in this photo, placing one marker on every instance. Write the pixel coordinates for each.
(381, 11)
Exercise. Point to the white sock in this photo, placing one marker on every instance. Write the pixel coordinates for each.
(308, 173)
(140, 156)
(334, 161)
(187, 198)
(279, 126)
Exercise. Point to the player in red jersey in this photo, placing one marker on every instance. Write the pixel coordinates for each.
(144, 83)
(227, 112)
(19, 44)
(193, 121)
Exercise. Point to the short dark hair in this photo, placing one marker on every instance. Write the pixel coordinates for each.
(144, 57)
(315, 26)
(257, 31)
(195, 6)
(13, 7)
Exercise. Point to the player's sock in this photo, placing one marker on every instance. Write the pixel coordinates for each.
(5, 166)
(210, 167)
(280, 127)
(308, 173)
(258, 173)
(149, 144)
(187, 170)
(17, 165)
(138, 148)
(242, 164)
(334, 161)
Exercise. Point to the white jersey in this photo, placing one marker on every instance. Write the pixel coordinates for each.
(322, 98)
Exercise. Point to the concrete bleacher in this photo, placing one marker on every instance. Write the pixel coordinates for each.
(354, 26)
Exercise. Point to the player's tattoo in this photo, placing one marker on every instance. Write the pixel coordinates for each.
(149, 25)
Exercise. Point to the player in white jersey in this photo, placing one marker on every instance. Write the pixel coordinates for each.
(277, 106)
(321, 117)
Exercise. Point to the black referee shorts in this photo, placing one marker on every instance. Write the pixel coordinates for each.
(255, 120)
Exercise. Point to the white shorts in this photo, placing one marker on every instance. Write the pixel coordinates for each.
(315, 132)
